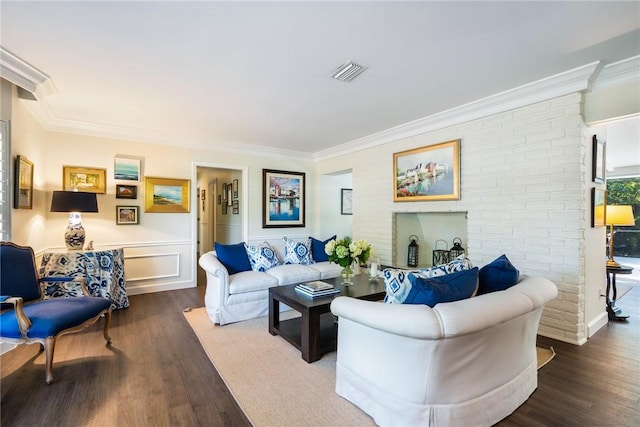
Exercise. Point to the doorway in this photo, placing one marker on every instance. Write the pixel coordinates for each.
(221, 214)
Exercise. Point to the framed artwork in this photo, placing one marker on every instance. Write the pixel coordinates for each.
(23, 184)
(345, 201)
(428, 173)
(127, 169)
(598, 208)
(229, 195)
(126, 191)
(127, 215)
(598, 166)
(219, 199)
(166, 195)
(283, 199)
(235, 207)
(235, 188)
(90, 180)
(224, 192)
(224, 208)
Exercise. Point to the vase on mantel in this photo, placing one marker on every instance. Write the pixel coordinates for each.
(347, 274)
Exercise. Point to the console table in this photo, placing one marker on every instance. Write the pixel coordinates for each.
(102, 269)
(614, 312)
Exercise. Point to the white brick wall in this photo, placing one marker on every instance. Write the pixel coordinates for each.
(522, 186)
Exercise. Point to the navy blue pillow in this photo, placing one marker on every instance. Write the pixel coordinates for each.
(317, 249)
(498, 275)
(447, 288)
(233, 257)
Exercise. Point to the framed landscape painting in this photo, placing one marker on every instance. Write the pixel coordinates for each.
(598, 207)
(126, 191)
(166, 195)
(126, 169)
(90, 180)
(283, 199)
(427, 173)
(598, 165)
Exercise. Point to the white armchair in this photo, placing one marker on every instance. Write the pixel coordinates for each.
(463, 363)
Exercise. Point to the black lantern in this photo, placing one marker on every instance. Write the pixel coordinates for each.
(440, 256)
(414, 249)
(457, 249)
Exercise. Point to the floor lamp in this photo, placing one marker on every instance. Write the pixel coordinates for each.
(618, 215)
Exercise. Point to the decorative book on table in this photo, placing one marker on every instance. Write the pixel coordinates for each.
(317, 289)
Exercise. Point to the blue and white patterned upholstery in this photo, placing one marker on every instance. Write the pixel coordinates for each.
(398, 284)
(103, 271)
(297, 252)
(262, 257)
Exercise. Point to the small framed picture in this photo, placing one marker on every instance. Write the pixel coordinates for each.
(127, 215)
(126, 168)
(235, 208)
(598, 207)
(126, 191)
(235, 188)
(345, 202)
(224, 192)
(598, 166)
(219, 199)
(23, 184)
(224, 208)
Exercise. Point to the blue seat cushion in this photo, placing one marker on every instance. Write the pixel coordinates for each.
(498, 275)
(317, 249)
(233, 257)
(440, 289)
(50, 317)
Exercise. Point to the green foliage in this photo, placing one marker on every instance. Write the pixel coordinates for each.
(626, 191)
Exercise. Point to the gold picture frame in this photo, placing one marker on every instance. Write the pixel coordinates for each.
(89, 180)
(166, 195)
(23, 184)
(428, 173)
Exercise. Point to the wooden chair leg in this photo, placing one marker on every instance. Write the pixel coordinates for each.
(49, 348)
(107, 319)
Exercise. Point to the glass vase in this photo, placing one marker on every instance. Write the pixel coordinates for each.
(347, 274)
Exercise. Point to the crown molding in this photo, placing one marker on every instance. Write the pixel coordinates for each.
(575, 80)
(43, 113)
(618, 73)
(25, 75)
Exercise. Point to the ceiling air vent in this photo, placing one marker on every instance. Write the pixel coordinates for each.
(348, 71)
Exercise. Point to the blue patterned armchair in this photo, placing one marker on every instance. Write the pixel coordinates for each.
(27, 319)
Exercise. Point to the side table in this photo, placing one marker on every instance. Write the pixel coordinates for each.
(102, 269)
(614, 312)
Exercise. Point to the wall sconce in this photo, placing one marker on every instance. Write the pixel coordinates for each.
(74, 202)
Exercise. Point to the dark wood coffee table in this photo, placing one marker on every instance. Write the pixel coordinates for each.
(315, 332)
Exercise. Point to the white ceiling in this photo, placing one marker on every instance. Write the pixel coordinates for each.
(257, 73)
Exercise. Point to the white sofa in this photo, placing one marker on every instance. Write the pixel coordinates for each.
(464, 363)
(241, 296)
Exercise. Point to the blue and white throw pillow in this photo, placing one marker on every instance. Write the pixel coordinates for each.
(458, 264)
(262, 257)
(297, 252)
(398, 283)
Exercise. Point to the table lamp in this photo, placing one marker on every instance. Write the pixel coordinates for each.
(74, 202)
(617, 215)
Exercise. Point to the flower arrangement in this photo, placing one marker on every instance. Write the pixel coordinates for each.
(344, 251)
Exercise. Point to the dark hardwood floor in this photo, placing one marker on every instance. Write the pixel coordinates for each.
(157, 374)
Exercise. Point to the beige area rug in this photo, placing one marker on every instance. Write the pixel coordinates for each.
(271, 382)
